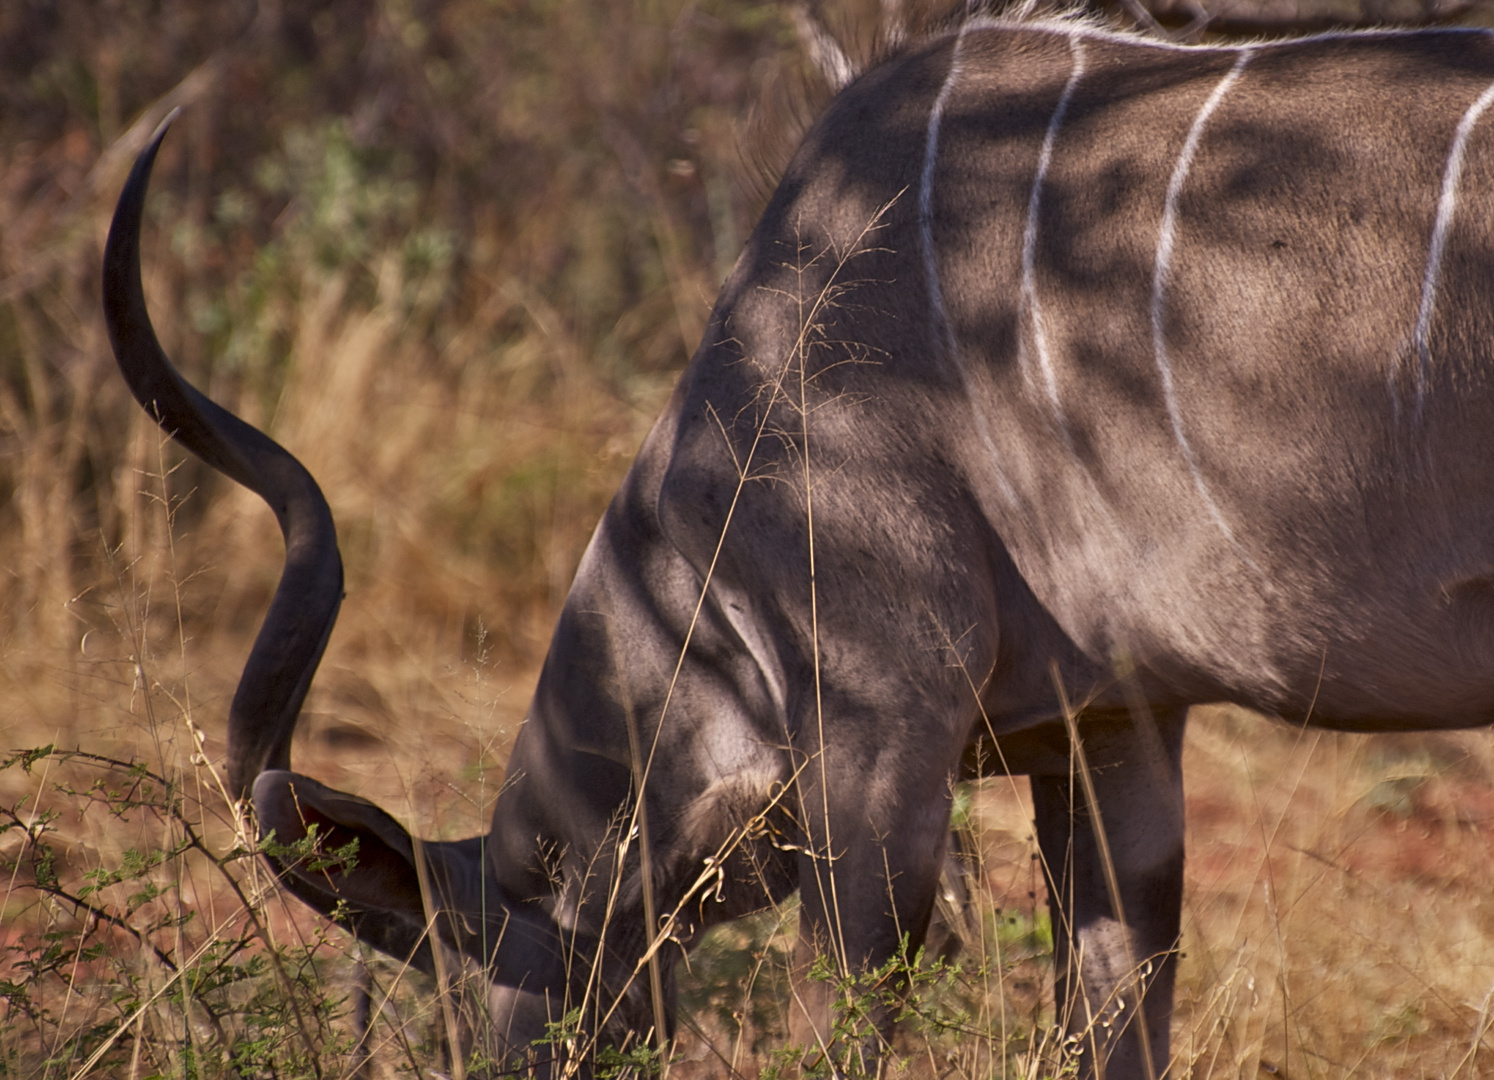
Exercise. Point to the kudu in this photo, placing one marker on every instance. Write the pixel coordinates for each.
(1068, 380)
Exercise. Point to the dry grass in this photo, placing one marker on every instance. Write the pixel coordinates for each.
(1335, 920)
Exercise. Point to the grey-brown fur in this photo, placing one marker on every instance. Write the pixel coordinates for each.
(1198, 417)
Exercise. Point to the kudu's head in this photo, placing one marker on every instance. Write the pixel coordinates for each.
(397, 892)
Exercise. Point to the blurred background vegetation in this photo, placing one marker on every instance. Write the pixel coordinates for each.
(453, 255)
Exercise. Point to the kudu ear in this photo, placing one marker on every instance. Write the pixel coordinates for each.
(380, 875)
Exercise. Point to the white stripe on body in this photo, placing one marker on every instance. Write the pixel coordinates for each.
(1029, 247)
(1161, 272)
(931, 267)
(1447, 204)
(926, 188)
(1070, 27)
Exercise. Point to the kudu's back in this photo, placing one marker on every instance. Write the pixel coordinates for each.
(1198, 338)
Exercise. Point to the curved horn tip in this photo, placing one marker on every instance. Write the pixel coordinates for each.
(132, 196)
(165, 125)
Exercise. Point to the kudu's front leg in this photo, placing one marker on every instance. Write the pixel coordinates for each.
(1115, 965)
(867, 882)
